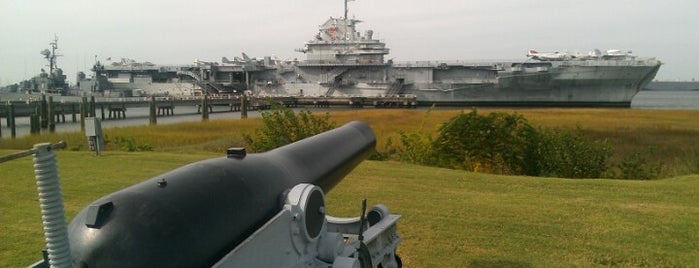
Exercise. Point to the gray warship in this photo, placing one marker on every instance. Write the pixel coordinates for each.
(342, 61)
(52, 82)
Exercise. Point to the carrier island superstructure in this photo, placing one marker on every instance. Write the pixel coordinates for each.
(342, 61)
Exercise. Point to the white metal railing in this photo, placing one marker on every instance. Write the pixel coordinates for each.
(487, 63)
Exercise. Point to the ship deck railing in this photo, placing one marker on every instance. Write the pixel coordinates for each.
(171, 68)
(497, 63)
(333, 63)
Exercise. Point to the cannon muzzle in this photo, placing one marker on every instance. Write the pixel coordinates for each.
(193, 215)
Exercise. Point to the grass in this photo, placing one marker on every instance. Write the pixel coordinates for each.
(666, 136)
(460, 219)
(450, 218)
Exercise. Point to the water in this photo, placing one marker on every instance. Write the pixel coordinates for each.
(669, 100)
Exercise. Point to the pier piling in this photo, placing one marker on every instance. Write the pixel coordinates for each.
(72, 112)
(83, 113)
(50, 114)
(205, 108)
(166, 109)
(11, 120)
(244, 107)
(43, 112)
(34, 124)
(93, 107)
(153, 116)
(118, 111)
(59, 113)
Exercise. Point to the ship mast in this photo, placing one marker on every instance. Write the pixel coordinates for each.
(52, 58)
(346, 8)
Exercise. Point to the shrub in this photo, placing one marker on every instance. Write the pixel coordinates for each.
(129, 144)
(637, 167)
(571, 154)
(506, 144)
(282, 126)
(416, 148)
(688, 163)
(384, 155)
(496, 142)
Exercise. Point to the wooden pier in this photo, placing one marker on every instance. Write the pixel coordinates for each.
(45, 112)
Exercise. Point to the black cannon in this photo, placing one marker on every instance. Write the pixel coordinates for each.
(198, 214)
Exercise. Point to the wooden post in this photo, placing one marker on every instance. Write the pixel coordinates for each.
(11, 117)
(205, 108)
(72, 111)
(153, 116)
(244, 107)
(51, 116)
(83, 113)
(34, 125)
(7, 114)
(244, 104)
(43, 112)
(93, 107)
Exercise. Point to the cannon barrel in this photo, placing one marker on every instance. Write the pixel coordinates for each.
(193, 215)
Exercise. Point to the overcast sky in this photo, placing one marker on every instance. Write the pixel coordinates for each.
(177, 32)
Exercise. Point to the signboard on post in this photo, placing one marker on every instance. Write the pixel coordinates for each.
(93, 131)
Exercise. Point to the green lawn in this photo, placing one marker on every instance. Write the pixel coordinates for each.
(450, 218)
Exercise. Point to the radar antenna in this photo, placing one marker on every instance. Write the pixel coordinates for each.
(346, 8)
(51, 57)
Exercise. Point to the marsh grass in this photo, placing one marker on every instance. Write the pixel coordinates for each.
(449, 218)
(667, 137)
(670, 135)
(213, 136)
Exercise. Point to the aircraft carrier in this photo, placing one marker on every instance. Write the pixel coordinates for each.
(342, 61)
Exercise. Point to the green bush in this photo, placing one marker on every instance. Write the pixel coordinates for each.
(688, 162)
(506, 144)
(129, 144)
(416, 148)
(571, 154)
(378, 155)
(495, 143)
(637, 167)
(282, 126)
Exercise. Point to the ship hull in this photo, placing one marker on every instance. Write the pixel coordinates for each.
(589, 86)
(560, 84)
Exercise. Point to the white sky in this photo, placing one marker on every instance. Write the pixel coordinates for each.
(177, 31)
